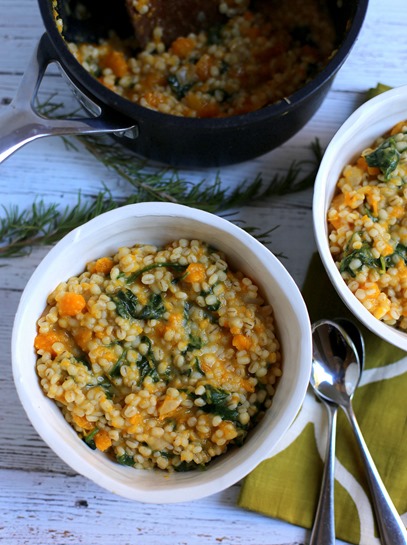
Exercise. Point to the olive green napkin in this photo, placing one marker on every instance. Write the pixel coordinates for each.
(286, 486)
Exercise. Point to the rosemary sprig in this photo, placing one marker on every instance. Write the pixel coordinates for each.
(169, 185)
(44, 224)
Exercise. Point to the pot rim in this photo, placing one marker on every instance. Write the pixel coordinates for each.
(107, 97)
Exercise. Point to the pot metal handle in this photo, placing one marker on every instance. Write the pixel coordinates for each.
(20, 121)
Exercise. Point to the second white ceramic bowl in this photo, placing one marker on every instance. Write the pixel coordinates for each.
(158, 223)
(362, 128)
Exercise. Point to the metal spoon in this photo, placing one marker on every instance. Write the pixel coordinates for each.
(335, 374)
(323, 530)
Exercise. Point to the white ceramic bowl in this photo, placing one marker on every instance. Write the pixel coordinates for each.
(158, 223)
(361, 129)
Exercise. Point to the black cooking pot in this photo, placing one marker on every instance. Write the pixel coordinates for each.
(174, 140)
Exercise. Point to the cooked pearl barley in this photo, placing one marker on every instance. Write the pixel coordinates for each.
(367, 232)
(155, 373)
(258, 40)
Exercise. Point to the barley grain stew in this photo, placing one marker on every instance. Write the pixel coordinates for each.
(368, 227)
(257, 57)
(160, 357)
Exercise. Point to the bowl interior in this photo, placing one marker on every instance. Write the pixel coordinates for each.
(159, 223)
(363, 127)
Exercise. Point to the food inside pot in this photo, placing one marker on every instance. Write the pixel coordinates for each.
(258, 53)
(160, 357)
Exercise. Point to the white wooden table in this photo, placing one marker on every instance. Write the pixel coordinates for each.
(42, 501)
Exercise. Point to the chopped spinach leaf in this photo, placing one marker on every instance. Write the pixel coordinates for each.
(195, 342)
(147, 363)
(207, 313)
(369, 213)
(175, 266)
(89, 439)
(84, 361)
(364, 255)
(154, 309)
(179, 89)
(125, 460)
(115, 372)
(146, 340)
(107, 386)
(213, 319)
(401, 251)
(146, 368)
(168, 374)
(216, 403)
(215, 396)
(215, 306)
(187, 307)
(241, 436)
(171, 422)
(197, 366)
(126, 303)
(188, 466)
(165, 454)
(224, 412)
(386, 157)
(178, 279)
(127, 306)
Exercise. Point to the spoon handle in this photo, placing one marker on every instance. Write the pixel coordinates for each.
(323, 530)
(391, 527)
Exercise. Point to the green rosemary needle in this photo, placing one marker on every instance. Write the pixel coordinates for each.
(168, 184)
(44, 224)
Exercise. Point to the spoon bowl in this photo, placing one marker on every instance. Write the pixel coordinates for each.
(336, 368)
(355, 334)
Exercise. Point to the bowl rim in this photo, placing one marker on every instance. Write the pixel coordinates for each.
(374, 111)
(91, 468)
